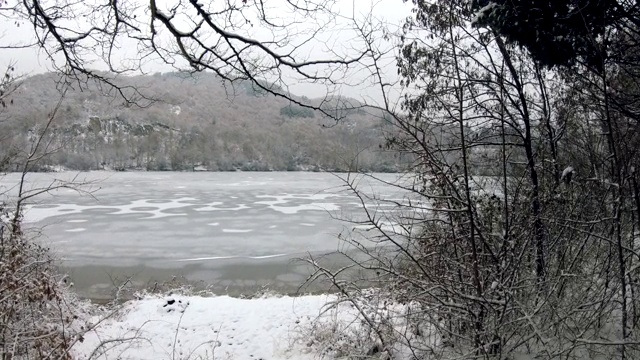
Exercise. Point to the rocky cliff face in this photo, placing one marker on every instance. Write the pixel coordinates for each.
(108, 128)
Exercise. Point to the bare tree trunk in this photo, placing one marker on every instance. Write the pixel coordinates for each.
(618, 199)
(551, 134)
(467, 192)
(539, 231)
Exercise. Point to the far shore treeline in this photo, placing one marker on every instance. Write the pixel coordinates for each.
(191, 122)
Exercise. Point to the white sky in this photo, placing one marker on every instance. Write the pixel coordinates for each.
(392, 12)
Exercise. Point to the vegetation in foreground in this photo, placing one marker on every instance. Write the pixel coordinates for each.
(541, 259)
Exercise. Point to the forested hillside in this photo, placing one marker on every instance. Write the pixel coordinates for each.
(184, 122)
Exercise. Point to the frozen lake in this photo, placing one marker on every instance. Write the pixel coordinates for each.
(196, 224)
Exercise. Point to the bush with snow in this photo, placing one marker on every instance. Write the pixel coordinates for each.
(366, 325)
(38, 314)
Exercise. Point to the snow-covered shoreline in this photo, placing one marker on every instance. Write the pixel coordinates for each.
(196, 327)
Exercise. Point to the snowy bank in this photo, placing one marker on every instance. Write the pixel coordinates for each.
(180, 327)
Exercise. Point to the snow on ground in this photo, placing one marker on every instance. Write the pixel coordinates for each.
(194, 327)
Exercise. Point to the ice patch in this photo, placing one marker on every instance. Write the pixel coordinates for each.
(213, 224)
(35, 214)
(287, 198)
(236, 230)
(155, 213)
(155, 208)
(207, 258)
(245, 183)
(289, 210)
(260, 257)
(267, 256)
(77, 221)
(76, 230)
(307, 224)
(271, 203)
(144, 208)
(207, 207)
(283, 198)
(212, 207)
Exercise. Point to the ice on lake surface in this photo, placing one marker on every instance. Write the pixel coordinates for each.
(141, 218)
(239, 231)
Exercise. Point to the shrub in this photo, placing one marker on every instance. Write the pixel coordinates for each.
(36, 318)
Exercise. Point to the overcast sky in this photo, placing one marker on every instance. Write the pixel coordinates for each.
(393, 12)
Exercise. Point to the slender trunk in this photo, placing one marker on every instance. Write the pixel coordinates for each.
(507, 230)
(536, 208)
(469, 207)
(553, 146)
(616, 172)
(636, 229)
